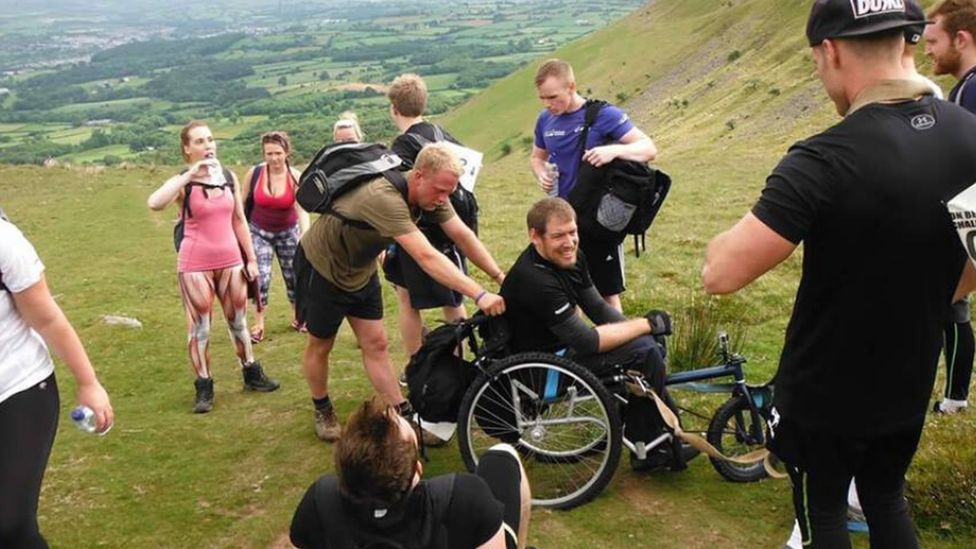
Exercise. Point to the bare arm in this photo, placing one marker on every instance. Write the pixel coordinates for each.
(442, 270)
(242, 232)
(172, 189)
(615, 334)
(303, 219)
(742, 254)
(472, 247)
(538, 163)
(634, 145)
(42, 314)
(967, 281)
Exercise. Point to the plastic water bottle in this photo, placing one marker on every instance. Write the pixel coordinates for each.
(216, 172)
(84, 418)
(553, 171)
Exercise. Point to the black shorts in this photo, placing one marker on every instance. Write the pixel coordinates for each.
(606, 261)
(321, 305)
(425, 292)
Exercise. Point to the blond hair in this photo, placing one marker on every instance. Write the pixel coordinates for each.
(408, 95)
(554, 68)
(348, 119)
(435, 157)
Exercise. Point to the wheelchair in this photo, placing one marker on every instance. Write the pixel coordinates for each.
(566, 422)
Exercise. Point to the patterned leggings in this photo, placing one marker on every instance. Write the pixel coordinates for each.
(199, 290)
(283, 244)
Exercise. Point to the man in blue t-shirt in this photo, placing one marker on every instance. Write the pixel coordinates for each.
(557, 136)
(949, 41)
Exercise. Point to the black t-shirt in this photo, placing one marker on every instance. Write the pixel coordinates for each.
(538, 295)
(472, 517)
(880, 264)
(407, 148)
(967, 88)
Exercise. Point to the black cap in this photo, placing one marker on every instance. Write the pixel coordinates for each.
(849, 18)
(913, 12)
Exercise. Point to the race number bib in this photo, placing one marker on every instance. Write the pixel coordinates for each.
(962, 208)
(471, 160)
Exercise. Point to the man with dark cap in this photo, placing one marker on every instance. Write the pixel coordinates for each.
(881, 265)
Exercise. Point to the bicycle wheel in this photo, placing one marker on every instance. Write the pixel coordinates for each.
(733, 432)
(559, 417)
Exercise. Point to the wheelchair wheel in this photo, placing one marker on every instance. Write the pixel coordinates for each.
(733, 432)
(559, 417)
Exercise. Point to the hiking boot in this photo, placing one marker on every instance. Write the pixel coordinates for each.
(327, 425)
(255, 379)
(205, 395)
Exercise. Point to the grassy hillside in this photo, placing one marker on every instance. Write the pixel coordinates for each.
(166, 478)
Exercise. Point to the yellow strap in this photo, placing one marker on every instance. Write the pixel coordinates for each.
(671, 420)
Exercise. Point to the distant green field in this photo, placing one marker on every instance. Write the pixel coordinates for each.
(96, 155)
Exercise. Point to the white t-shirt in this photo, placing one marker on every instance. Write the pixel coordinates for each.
(24, 360)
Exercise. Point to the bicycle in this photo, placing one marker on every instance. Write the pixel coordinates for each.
(566, 423)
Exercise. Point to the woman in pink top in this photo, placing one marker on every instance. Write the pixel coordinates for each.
(275, 219)
(211, 265)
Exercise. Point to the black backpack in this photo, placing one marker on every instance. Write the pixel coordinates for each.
(341, 167)
(178, 229)
(249, 201)
(438, 376)
(619, 198)
(464, 201)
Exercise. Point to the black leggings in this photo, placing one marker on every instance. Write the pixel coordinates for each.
(28, 422)
(959, 349)
(821, 466)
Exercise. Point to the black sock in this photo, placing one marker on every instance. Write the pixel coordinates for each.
(322, 404)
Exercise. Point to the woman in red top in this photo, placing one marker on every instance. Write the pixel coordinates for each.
(210, 257)
(275, 219)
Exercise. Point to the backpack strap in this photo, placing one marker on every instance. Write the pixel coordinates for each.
(255, 176)
(228, 184)
(441, 490)
(328, 502)
(399, 182)
(593, 107)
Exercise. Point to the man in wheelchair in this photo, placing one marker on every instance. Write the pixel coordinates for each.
(544, 290)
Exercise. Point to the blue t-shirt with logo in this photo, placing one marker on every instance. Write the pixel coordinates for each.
(560, 135)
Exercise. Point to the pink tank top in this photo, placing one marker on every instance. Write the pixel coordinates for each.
(209, 242)
(274, 213)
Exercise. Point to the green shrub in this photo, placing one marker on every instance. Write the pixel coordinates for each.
(697, 327)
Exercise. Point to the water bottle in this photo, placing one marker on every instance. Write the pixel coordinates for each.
(552, 170)
(216, 171)
(84, 418)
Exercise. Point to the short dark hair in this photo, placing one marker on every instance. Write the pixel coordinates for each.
(957, 15)
(374, 462)
(542, 211)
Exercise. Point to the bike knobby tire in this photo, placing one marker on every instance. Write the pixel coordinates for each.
(733, 433)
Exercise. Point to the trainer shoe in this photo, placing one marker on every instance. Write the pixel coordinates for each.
(662, 457)
(256, 380)
(327, 425)
(205, 395)
(949, 406)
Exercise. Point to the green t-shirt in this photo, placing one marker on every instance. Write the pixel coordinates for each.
(345, 255)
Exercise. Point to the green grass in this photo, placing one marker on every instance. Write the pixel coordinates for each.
(232, 478)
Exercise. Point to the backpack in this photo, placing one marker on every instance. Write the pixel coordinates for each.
(249, 201)
(437, 376)
(618, 199)
(185, 212)
(464, 201)
(341, 167)
(344, 533)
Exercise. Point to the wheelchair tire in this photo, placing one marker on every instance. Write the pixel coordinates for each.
(559, 417)
(732, 432)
